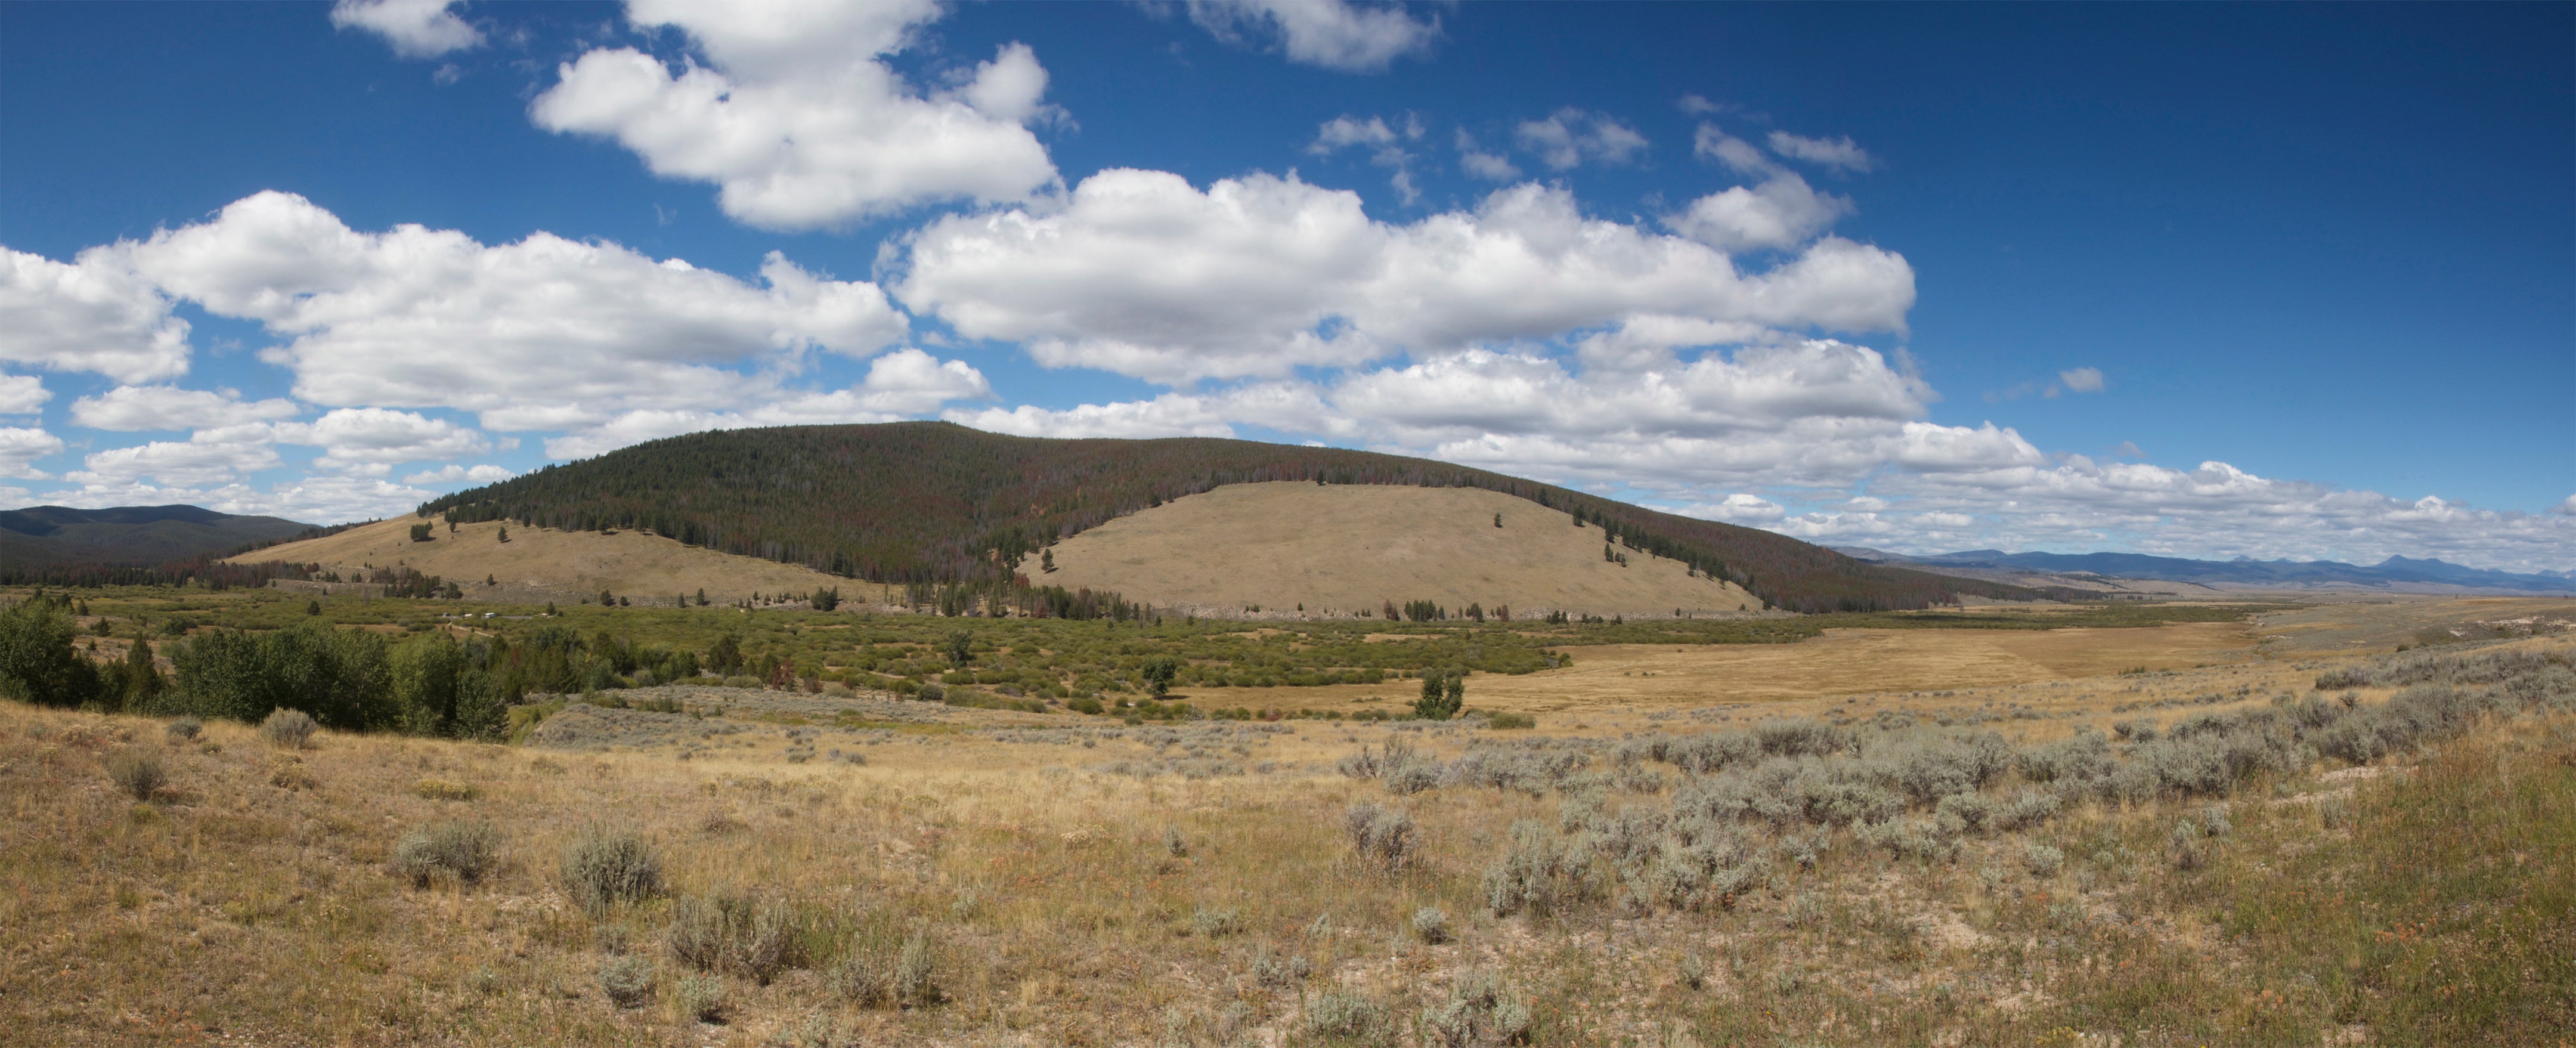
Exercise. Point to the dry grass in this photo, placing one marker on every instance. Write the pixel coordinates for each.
(538, 563)
(1340, 548)
(1015, 881)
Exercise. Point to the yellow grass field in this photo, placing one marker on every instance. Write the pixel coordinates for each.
(1336, 549)
(1077, 881)
(542, 563)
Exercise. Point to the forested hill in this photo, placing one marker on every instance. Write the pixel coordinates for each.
(42, 537)
(933, 501)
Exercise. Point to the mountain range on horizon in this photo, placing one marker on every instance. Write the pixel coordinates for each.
(2242, 571)
(39, 537)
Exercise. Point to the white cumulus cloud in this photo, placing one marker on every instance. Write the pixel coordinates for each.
(90, 315)
(1838, 154)
(455, 474)
(415, 28)
(379, 437)
(1332, 34)
(21, 446)
(1142, 274)
(22, 394)
(131, 408)
(545, 333)
(1570, 136)
(797, 118)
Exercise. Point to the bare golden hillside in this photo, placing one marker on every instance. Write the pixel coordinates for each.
(538, 561)
(1340, 548)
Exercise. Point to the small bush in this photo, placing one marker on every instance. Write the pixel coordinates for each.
(1381, 836)
(444, 790)
(293, 775)
(1482, 1012)
(1174, 844)
(627, 980)
(605, 867)
(1510, 721)
(460, 851)
(137, 771)
(184, 728)
(1431, 925)
(1215, 923)
(1277, 973)
(1343, 1018)
(700, 997)
(288, 729)
(2042, 860)
(877, 970)
(734, 933)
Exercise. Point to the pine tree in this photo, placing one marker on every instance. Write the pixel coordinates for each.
(702, 596)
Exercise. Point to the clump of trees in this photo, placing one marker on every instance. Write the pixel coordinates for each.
(1444, 693)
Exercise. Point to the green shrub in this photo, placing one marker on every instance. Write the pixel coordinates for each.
(1431, 925)
(1503, 721)
(1340, 1017)
(700, 997)
(184, 728)
(735, 933)
(1213, 923)
(460, 851)
(605, 867)
(1381, 837)
(878, 969)
(286, 728)
(137, 771)
(627, 980)
(2042, 860)
(1482, 1012)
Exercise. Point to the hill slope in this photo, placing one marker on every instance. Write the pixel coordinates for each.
(47, 535)
(921, 501)
(1336, 549)
(538, 564)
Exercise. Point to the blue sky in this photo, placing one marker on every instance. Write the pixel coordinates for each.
(2279, 281)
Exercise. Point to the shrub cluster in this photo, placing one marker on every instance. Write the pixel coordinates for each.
(605, 867)
(457, 851)
(737, 933)
(288, 728)
(1381, 837)
(137, 771)
(1916, 794)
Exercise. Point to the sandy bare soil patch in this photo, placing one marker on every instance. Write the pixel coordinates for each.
(1340, 548)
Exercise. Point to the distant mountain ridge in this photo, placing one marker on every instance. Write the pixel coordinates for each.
(2241, 571)
(935, 502)
(44, 536)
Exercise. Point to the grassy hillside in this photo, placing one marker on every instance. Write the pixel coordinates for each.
(1344, 549)
(532, 564)
(924, 501)
(50, 535)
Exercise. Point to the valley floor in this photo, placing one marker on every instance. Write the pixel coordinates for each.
(2193, 854)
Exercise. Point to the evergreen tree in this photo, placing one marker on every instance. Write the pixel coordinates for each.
(37, 663)
(959, 647)
(702, 596)
(726, 656)
(313, 607)
(1158, 673)
(505, 533)
(1442, 695)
